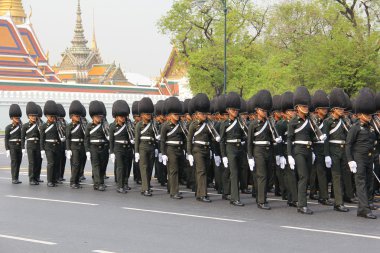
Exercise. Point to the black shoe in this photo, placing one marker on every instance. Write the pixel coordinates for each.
(367, 216)
(40, 181)
(121, 190)
(226, 197)
(341, 208)
(82, 178)
(76, 186)
(313, 196)
(34, 182)
(176, 196)
(164, 184)
(16, 181)
(204, 199)
(304, 210)
(96, 187)
(292, 204)
(246, 191)
(50, 184)
(236, 203)
(138, 182)
(101, 188)
(277, 194)
(373, 207)
(58, 182)
(147, 194)
(264, 206)
(325, 202)
(351, 200)
(181, 182)
(106, 177)
(127, 188)
(62, 179)
(211, 185)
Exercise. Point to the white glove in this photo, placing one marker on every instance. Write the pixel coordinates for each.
(217, 160)
(88, 155)
(217, 138)
(187, 156)
(191, 160)
(277, 160)
(225, 162)
(69, 154)
(278, 139)
(353, 166)
(323, 137)
(8, 153)
(43, 154)
(312, 158)
(23, 152)
(112, 157)
(282, 162)
(156, 153)
(251, 163)
(137, 157)
(132, 141)
(243, 143)
(165, 159)
(158, 137)
(292, 162)
(160, 157)
(63, 139)
(210, 154)
(328, 162)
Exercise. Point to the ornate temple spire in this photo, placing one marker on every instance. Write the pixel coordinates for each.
(94, 45)
(15, 8)
(79, 42)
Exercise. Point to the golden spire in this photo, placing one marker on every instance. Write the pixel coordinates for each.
(94, 45)
(15, 8)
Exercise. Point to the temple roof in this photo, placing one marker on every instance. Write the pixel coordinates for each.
(13, 8)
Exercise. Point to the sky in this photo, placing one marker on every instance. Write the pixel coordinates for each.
(126, 30)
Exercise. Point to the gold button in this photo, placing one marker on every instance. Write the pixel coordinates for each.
(341, 146)
(308, 146)
(238, 144)
(369, 154)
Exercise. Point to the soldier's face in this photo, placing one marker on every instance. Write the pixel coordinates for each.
(146, 116)
(32, 118)
(97, 119)
(290, 114)
(366, 118)
(174, 116)
(339, 112)
(232, 112)
(303, 109)
(75, 118)
(201, 116)
(120, 119)
(50, 118)
(16, 120)
(321, 111)
(262, 113)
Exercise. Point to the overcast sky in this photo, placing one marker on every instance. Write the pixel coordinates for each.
(126, 30)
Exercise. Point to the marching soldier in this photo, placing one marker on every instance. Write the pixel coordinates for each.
(31, 135)
(359, 150)
(334, 147)
(96, 144)
(120, 144)
(62, 124)
(198, 145)
(50, 143)
(145, 143)
(161, 170)
(215, 146)
(243, 177)
(83, 121)
(232, 134)
(136, 120)
(13, 141)
(106, 127)
(299, 144)
(172, 145)
(75, 151)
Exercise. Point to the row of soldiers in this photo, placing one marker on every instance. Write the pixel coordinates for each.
(301, 141)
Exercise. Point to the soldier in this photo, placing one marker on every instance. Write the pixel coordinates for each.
(232, 135)
(334, 147)
(172, 145)
(120, 144)
(198, 145)
(136, 120)
(62, 124)
(160, 169)
(75, 150)
(31, 135)
(320, 103)
(13, 141)
(145, 143)
(215, 146)
(359, 150)
(50, 143)
(106, 127)
(243, 177)
(83, 121)
(299, 144)
(260, 146)
(96, 144)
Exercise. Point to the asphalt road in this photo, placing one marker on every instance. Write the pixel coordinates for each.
(42, 219)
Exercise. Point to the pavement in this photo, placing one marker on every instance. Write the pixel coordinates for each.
(61, 219)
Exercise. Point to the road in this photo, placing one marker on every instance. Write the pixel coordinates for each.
(61, 219)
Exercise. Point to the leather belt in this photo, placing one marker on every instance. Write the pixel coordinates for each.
(147, 138)
(175, 142)
(51, 140)
(122, 142)
(261, 142)
(15, 140)
(204, 143)
(319, 142)
(337, 142)
(98, 141)
(32, 139)
(234, 141)
(77, 140)
(303, 142)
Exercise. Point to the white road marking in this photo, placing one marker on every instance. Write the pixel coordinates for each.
(27, 239)
(183, 214)
(101, 251)
(52, 200)
(333, 232)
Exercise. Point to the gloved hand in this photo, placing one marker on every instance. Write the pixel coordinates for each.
(112, 157)
(156, 153)
(160, 157)
(225, 162)
(312, 158)
(278, 139)
(158, 137)
(243, 143)
(137, 157)
(217, 160)
(8, 153)
(210, 154)
(187, 156)
(88, 155)
(353, 166)
(277, 160)
(165, 159)
(132, 141)
(23, 152)
(43, 154)
(251, 163)
(69, 154)
(292, 162)
(217, 139)
(282, 162)
(323, 137)
(328, 162)
(191, 160)
(63, 139)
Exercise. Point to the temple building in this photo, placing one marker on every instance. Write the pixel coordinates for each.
(21, 55)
